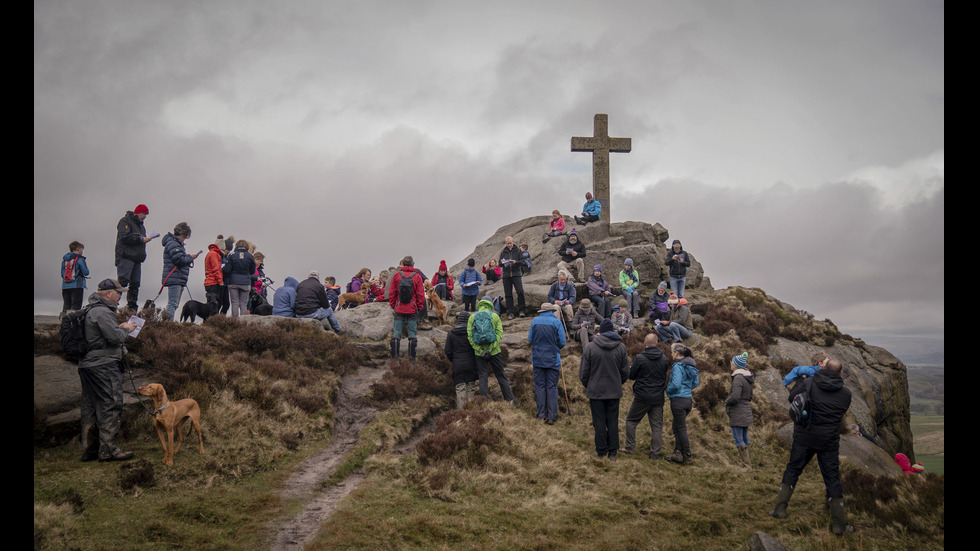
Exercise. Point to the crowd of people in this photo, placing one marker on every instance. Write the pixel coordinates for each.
(235, 281)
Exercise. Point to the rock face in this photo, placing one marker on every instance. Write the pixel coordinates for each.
(606, 244)
(878, 383)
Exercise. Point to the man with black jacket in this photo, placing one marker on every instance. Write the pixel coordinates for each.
(131, 243)
(510, 267)
(311, 301)
(649, 370)
(828, 400)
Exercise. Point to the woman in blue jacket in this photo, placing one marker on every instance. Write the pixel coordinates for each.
(683, 379)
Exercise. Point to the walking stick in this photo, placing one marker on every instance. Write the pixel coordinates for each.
(568, 403)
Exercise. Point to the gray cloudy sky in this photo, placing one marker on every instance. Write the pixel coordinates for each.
(797, 147)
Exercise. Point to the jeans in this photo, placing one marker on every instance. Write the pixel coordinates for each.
(677, 285)
(672, 332)
(173, 300)
(741, 436)
(324, 313)
(546, 392)
(632, 302)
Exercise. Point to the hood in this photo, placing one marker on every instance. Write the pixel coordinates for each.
(745, 373)
(608, 341)
(459, 330)
(484, 305)
(689, 361)
(96, 298)
(167, 239)
(291, 282)
(68, 256)
(828, 381)
(654, 353)
(215, 248)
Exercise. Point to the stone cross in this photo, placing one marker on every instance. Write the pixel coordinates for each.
(600, 144)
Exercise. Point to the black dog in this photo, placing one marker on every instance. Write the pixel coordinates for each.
(193, 308)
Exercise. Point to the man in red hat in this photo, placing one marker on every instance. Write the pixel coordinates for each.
(131, 240)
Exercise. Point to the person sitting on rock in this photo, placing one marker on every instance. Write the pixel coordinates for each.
(572, 253)
(600, 291)
(585, 322)
(675, 324)
(658, 301)
(591, 211)
(629, 282)
(379, 286)
(555, 228)
(492, 271)
(443, 282)
(621, 318)
(562, 295)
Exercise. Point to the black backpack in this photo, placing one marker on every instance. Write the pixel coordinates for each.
(406, 288)
(799, 406)
(72, 332)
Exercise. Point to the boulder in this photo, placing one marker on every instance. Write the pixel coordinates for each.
(373, 321)
(606, 244)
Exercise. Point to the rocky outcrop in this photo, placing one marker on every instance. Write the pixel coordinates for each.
(606, 244)
(878, 384)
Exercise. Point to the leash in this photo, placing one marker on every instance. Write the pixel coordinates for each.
(136, 390)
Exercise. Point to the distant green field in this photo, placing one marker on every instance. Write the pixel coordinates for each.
(928, 432)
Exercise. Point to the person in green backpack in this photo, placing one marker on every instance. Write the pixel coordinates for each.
(484, 331)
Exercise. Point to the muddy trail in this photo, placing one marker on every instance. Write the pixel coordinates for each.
(352, 414)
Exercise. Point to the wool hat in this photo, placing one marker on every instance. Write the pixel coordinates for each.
(588, 195)
(741, 360)
(442, 266)
(662, 285)
(622, 303)
(629, 262)
(606, 326)
(573, 232)
(597, 268)
(141, 209)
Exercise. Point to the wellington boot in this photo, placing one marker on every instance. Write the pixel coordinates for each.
(838, 519)
(746, 457)
(782, 500)
(413, 345)
(395, 345)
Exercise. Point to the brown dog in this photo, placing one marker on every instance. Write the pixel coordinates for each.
(432, 300)
(356, 299)
(170, 417)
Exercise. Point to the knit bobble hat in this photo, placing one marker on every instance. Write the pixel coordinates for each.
(741, 360)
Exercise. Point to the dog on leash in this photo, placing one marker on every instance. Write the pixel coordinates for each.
(192, 309)
(356, 299)
(432, 300)
(169, 417)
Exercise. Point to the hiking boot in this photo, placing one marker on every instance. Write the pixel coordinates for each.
(782, 500)
(90, 456)
(626, 451)
(676, 457)
(522, 315)
(577, 221)
(838, 520)
(117, 455)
